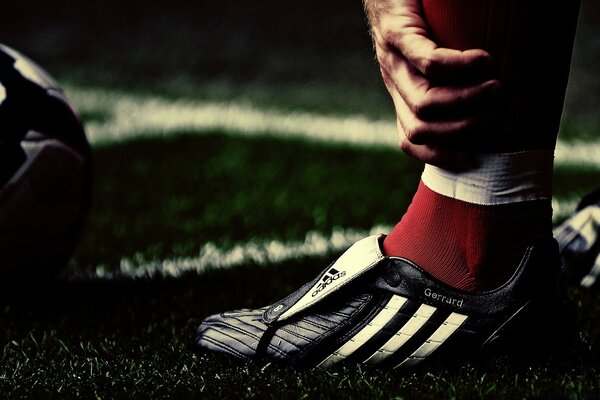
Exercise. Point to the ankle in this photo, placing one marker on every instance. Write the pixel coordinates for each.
(468, 246)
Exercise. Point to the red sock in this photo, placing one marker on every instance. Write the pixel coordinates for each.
(531, 42)
(454, 228)
(468, 246)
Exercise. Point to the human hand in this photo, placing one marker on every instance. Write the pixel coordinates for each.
(443, 97)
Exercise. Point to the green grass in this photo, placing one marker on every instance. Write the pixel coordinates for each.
(158, 199)
(133, 339)
(164, 198)
(184, 191)
(161, 198)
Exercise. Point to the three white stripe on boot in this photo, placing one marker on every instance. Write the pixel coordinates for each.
(395, 343)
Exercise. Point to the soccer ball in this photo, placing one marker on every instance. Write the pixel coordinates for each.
(45, 168)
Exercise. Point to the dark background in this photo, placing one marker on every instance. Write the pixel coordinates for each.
(310, 55)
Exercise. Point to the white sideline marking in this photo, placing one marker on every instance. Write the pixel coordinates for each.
(133, 116)
(272, 252)
(211, 257)
(136, 116)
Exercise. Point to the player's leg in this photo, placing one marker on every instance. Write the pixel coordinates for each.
(531, 42)
(470, 229)
(394, 301)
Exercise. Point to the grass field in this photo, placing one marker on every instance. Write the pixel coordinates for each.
(237, 148)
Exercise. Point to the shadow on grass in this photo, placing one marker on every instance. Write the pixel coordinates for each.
(134, 338)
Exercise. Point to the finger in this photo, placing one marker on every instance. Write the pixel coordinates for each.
(455, 103)
(437, 102)
(448, 65)
(444, 156)
(441, 156)
(459, 132)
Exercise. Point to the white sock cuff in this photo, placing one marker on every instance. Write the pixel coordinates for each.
(498, 178)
